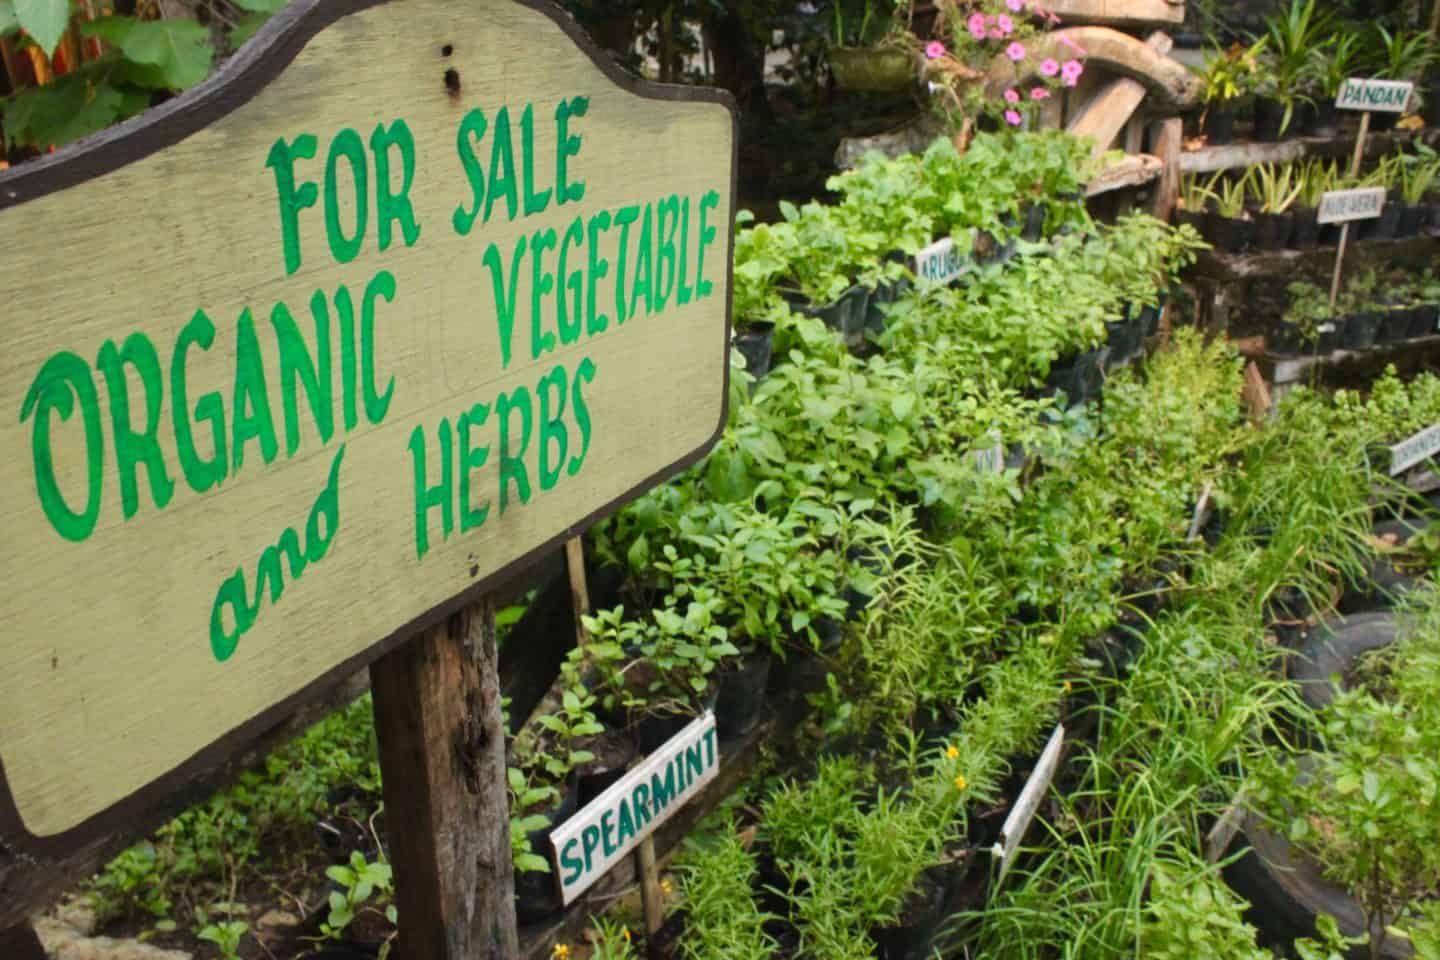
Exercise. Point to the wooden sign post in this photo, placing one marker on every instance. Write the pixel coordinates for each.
(1342, 206)
(430, 288)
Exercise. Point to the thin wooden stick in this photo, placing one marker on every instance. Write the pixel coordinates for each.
(650, 896)
(1345, 228)
(579, 592)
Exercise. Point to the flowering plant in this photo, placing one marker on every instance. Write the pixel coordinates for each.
(970, 35)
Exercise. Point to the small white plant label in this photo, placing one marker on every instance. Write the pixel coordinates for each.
(1408, 453)
(614, 823)
(1362, 203)
(938, 264)
(1383, 96)
(989, 459)
(1028, 802)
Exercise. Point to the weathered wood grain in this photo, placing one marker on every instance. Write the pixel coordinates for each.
(1118, 13)
(1166, 137)
(1169, 83)
(442, 752)
(94, 718)
(1103, 117)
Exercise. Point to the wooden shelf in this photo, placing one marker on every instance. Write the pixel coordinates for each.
(1287, 369)
(1234, 155)
(1238, 266)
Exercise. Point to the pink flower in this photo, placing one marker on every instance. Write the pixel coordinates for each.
(1006, 24)
(1016, 52)
(976, 24)
(1049, 67)
(1011, 96)
(934, 50)
(1071, 72)
(1039, 93)
(1079, 51)
(1012, 118)
(996, 33)
(1015, 5)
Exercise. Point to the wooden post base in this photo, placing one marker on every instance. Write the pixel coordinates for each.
(442, 756)
(21, 943)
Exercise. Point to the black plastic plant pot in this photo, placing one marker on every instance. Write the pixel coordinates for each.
(1123, 339)
(1219, 124)
(1231, 234)
(1302, 119)
(1394, 325)
(1424, 320)
(1383, 121)
(614, 751)
(1272, 231)
(741, 701)
(883, 295)
(846, 314)
(1196, 218)
(1304, 228)
(1283, 339)
(1328, 339)
(1330, 234)
(1412, 219)
(655, 728)
(1382, 227)
(1361, 330)
(537, 895)
(756, 345)
(1323, 119)
(1034, 228)
(1150, 319)
(1081, 379)
(1269, 114)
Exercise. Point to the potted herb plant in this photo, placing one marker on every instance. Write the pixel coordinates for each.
(1228, 76)
(1295, 35)
(1359, 314)
(1308, 324)
(1418, 172)
(1336, 63)
(1398, 55)
(1315, 178)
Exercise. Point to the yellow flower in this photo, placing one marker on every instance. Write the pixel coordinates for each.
(561, 951)
(666, 887)
(625, 932)
(960, 783)
(1066, 688)
(952, 753)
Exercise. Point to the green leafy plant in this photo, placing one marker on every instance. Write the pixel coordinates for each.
(1232, 73)
(723, 917)
(364, 885)
(1274, 186)
(226, 936)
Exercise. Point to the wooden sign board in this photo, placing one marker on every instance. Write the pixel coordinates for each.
(1341, 206)
(404, 296)
(1026, 805)
(613, 824)
(939, 264)
(1417, 449)
(1379, 96)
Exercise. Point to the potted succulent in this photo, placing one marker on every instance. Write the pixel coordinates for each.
(1335, 64)
(1274, 188)
(1192, 206)
(1315, 178)
(1398, 55)
(1418, 172)
(1230, 226)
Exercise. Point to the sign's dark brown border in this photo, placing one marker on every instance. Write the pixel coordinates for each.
(243, 76)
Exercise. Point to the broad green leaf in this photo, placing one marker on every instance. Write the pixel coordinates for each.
(44, 20)
(248, 26)
(61, 112)
(179, 48)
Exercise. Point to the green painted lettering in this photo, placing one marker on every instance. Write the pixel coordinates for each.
(471, 128)
(390, 207)
(251, 406)
(665, 252)
(376, 404)
(573, 866)
(703, 287)
(427, 498)
(552, 427)
(471, 459)
(210, 409)
(534, 202)
(347, 144)
(623, 218)
(584, 373)
(599, 267)
(512, 464)
(135, 448)
(644, 282)
(567, 313)
(505, 305)
(292, 199)
(61, 381)
(542, 283)
(297, 363)
(566, 192)
(502, 167)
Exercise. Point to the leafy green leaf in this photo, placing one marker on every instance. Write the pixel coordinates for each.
(248, 26)
(61, 112)
(179, 48)
(44, 20)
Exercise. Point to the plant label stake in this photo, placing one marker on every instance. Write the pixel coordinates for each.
(939, 264)
(631, 809)
(1358, 93)
(379, 367)
(1422, 446)
(1028, 803)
